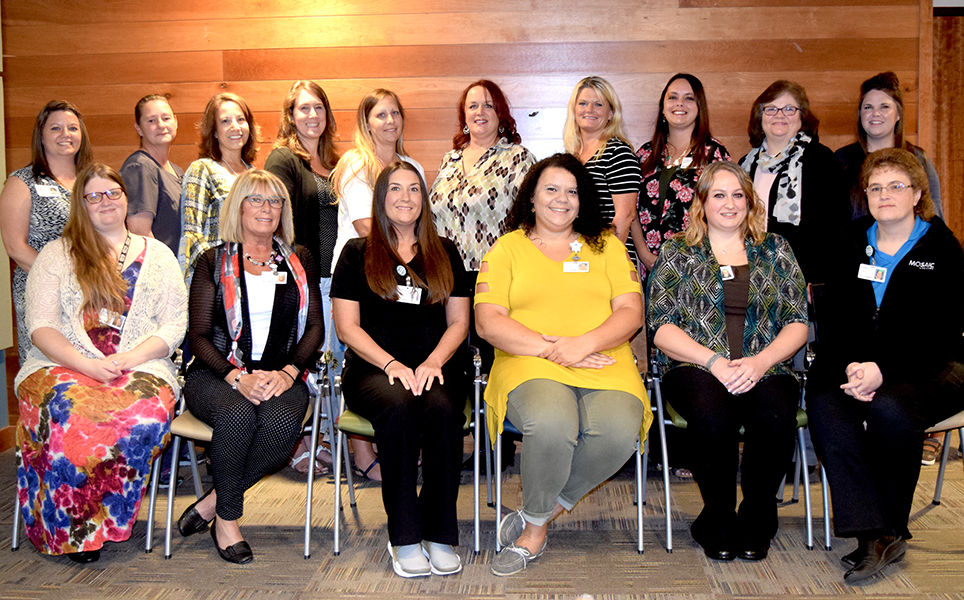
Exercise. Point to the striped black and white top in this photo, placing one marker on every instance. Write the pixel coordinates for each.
(616, 171)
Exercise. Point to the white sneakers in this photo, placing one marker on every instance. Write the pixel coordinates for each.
(421, 560)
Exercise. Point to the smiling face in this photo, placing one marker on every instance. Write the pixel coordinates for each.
(385, 123)
(107, 215)
(780, 128)
(61, 134)
(593, 112)
(680, 108)
(403, 199)
(233, 129)
(260, 220)
(726, 203)
(556, 200)
(310, 118)
(890, 206)
(878, 115)
(158, 125)
(480, 116)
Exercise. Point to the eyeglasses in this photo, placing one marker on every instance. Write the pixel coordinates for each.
(788, 110)
(258, 201)
(894, 188)
(98, 197)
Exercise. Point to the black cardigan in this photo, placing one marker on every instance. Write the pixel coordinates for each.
(208, 326)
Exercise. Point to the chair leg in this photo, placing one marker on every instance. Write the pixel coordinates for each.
(641, 498)
(172, 486)
(640, 491)
(309, 491)
(826, 508)
(192, 456)
(15, 538)
(488, 460)
(940, 474)
(660, 418)
(804, 470)
(337, 461)
(476, 434)
(498, 488)
(152, 503)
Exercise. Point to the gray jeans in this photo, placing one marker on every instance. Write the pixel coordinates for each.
(573, 439)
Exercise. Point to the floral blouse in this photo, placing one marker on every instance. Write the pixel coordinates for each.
(662, 217)
(470, 202)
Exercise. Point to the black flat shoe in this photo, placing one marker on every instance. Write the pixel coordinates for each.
(753, 553)
(83, 558)
(191, 521)
(239, 554)
(719, 554)
(878, 554)
(853, 559)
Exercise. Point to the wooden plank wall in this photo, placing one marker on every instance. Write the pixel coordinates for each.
(104, 55)
(949, 115)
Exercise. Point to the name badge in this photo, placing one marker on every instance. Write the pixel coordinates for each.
(111, 319)
(872, 273)
(275, 278)
(576, 266)
(727, 272)
(47, 191)
(409, 294)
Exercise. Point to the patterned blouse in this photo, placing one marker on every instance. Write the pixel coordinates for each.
(205, 186)
(686, 290)
(470, 207)
(616, 172)
(660, 220)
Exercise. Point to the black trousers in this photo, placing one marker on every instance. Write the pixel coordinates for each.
(714, 417)
(248, 441)
(404, 425)
(873, 470)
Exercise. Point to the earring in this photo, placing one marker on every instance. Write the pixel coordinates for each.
(501, 129)
(465, 130)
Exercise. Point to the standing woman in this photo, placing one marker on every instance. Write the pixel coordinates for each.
(672, 162)
(35, 201)
(106, 309)
(153, 182)
(595, 135)
(479, 178)
(303, 158)
(798, 178)
(228, 146)
(401, 304)
(728, 309)
(880, 124)
(379, 124)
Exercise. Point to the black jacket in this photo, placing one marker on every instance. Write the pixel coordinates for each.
(918, 328)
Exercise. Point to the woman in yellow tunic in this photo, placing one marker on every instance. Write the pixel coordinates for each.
(559, 299)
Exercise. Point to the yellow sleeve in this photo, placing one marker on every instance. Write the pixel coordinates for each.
(619, 268)
(498, 276)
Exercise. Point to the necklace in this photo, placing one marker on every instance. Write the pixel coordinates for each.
(123, 253)
(266, 263)
(228, 167)
(723, 250)
(671, 162)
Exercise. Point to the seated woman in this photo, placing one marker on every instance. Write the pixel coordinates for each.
(887, 358)
(255, 327)
(559, 299)
(728, 309)
(401, 304)
(105, 310)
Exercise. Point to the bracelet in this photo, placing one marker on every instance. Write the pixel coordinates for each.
(234, 385)
(288, 374)
(713, 359)
(388, 363)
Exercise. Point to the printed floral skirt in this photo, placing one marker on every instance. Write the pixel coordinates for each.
(86, 450)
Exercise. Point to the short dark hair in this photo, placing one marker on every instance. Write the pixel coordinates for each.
(809, 123)
(588, 223)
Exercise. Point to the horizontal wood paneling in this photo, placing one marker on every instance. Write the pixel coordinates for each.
(106, 69)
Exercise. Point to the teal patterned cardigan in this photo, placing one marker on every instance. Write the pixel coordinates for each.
(686, 289)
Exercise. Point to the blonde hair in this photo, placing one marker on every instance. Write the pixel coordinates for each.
(364, 150)
(614, 129)
(251, 182)
(753, 227)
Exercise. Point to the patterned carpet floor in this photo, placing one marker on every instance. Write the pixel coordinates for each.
(591, 552)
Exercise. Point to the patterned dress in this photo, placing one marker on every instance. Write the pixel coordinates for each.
(471, 202)
(667, 194)
(49, 209)
(86, 447)
(205, 186)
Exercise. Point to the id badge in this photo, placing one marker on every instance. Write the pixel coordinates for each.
(408, 294)
(872, 273)
(109, 318)
(576, 266)
(275, 278)
(47, 191)
(727, 272)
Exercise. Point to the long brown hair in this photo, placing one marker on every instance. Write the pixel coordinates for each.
(93, 258)
(701, 130)
(209, 147)
(887, 83)
(288, 131)
(381, 255)
(38, 160)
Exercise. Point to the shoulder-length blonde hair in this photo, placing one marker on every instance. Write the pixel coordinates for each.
(614, 129)
(209, 147)
(288, 131)
(364, 149)
(753, 227)
(94, 262)
(254, 181)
